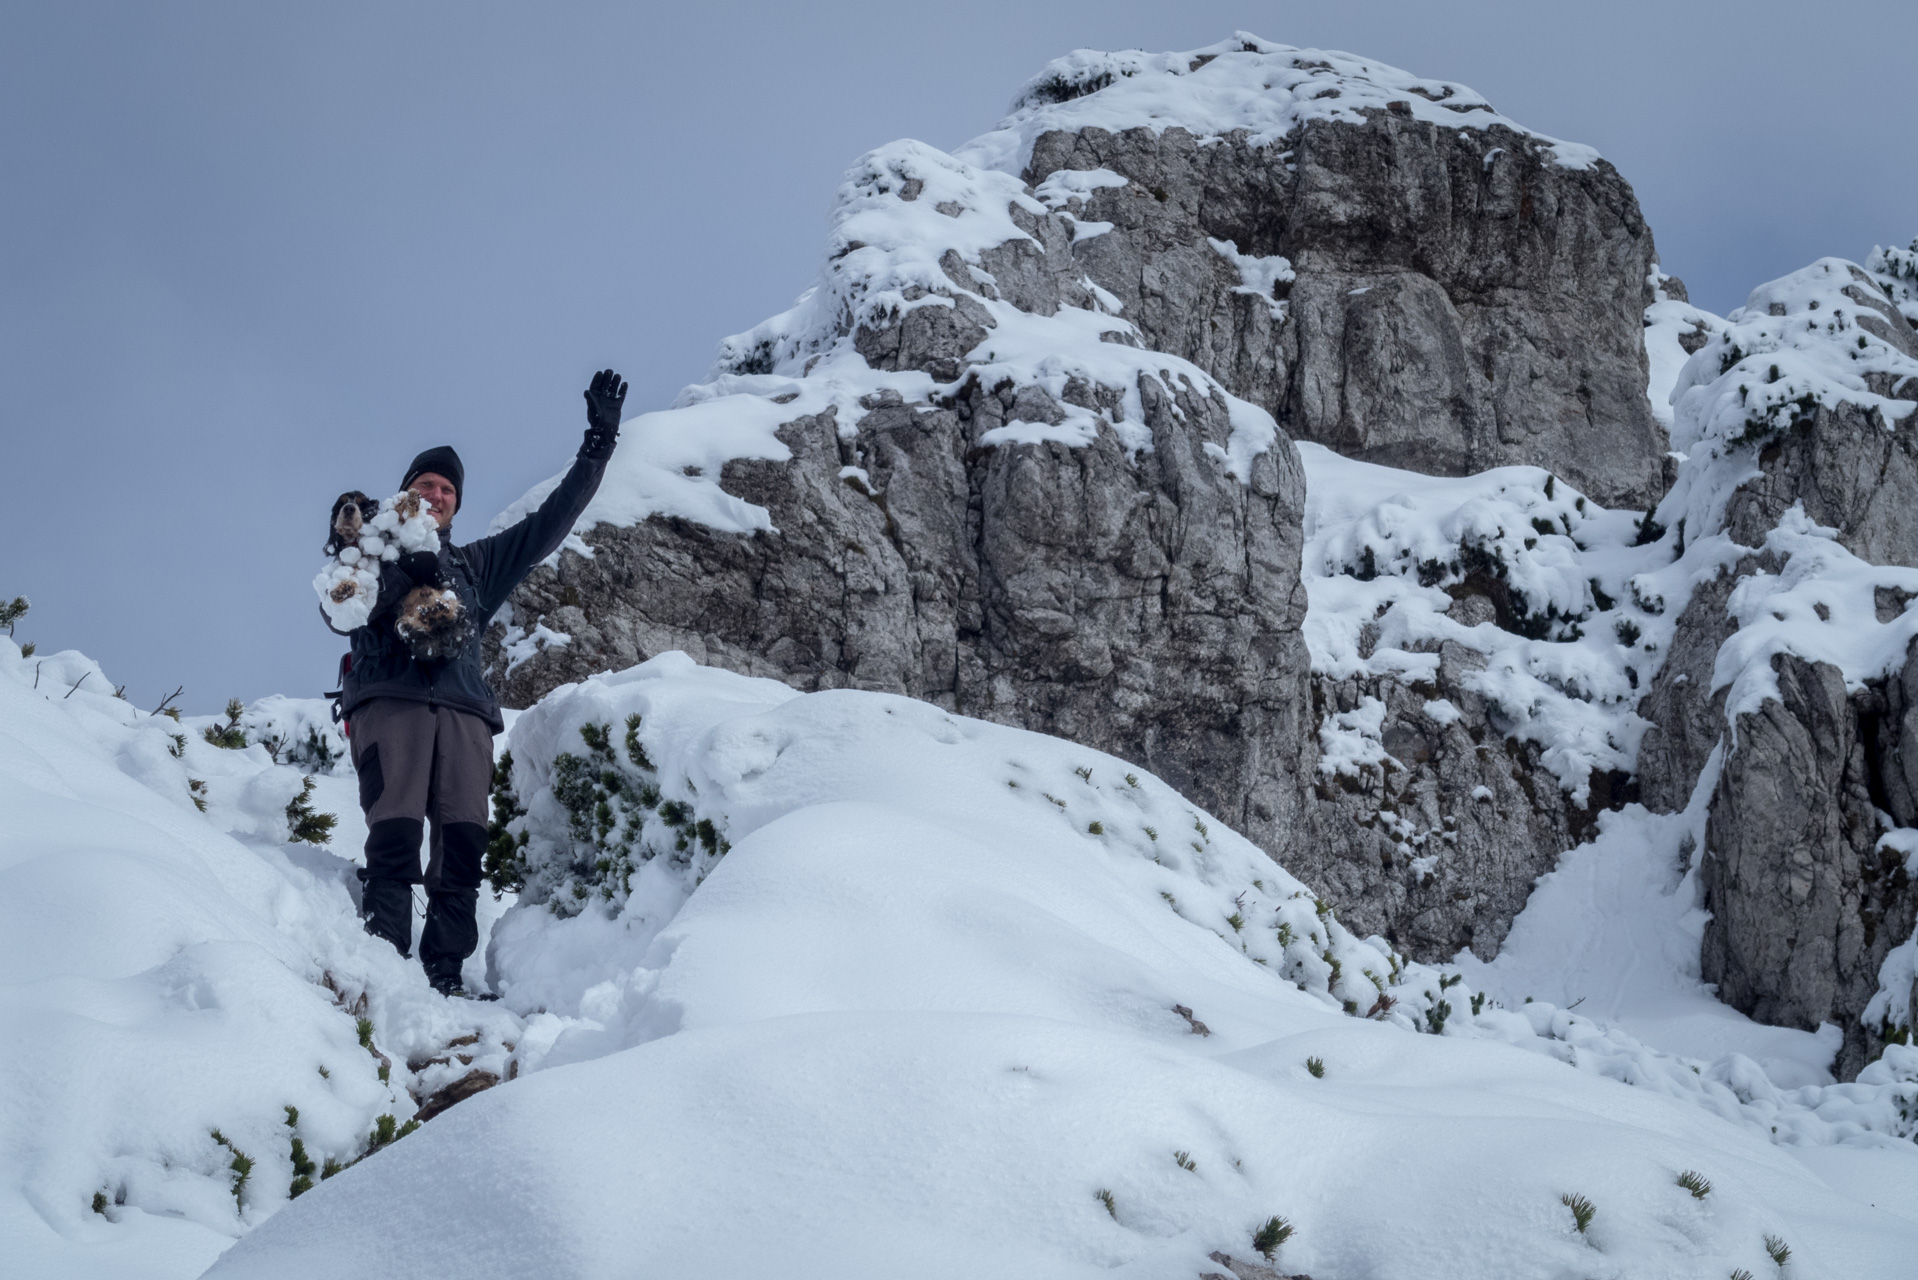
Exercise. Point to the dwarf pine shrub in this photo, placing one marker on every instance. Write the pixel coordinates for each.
(241, 1166)
(303, 1171)
(616, 821)
(1269, 1237)
(1696, 1183)
(12, 611)
(504, 863)
(1185, 1161)
(1780, 1251)
(1583, 1210)
(229, 735)
(1315, 1067)
(1105, 1198)
(303, 824)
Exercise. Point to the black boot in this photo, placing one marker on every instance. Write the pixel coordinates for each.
(387, 908)
(451, 932)
(392, 868)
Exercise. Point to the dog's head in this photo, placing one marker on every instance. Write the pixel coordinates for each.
(351, 511)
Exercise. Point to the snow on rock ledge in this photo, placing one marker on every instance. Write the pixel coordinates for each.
(1245, 84)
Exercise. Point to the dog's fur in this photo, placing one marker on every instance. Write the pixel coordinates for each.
(351, 510)
(431, 623)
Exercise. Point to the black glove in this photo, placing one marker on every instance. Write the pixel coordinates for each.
(397, 577)
(604, 400)
(423, 567)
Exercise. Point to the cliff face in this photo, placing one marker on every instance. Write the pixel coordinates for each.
(1451, 300)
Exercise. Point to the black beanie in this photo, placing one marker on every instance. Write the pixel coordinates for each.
(440, 461)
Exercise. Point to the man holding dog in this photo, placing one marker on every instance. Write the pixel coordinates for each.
(419, 713)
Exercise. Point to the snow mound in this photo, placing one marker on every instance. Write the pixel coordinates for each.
(183, 986)
(1815, 336)
(957, 998)
(1245, 84)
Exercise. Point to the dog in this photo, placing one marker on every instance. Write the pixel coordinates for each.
(351, 511)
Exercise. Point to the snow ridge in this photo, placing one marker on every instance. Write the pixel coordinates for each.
(1245, 84)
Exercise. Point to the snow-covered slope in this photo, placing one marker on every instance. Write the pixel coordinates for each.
(942, 990)
(180, 988)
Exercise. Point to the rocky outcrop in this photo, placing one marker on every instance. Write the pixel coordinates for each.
(1147, 606)
(1805, 902)
(1403, 288)
(1457, 299)
(1808, 897)
(1437, 849)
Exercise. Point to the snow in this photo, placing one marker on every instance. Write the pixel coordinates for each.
(1259, 277)
(1062, 190)
(1246, 85)
(1383, 546)
(919, 984)
(920, 1012)
(348, 584)
(165, 976)
(1668, 322)
(1349, 741)
(1615, 930)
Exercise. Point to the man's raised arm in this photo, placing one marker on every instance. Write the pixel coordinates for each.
(500, 561)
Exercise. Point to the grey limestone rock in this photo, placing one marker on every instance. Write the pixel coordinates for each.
(1437, 849)
(1149, 606)
(1459, 300)
(1805, 905)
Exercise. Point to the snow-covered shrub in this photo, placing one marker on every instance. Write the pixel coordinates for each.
(1897, 273)
(1799, 342)
(598, 818)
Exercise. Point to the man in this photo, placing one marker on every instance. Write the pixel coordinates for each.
(422, 727)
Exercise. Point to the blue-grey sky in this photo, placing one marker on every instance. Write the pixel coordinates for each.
(254, 254)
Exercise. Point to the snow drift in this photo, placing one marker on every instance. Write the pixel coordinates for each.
(959, 997)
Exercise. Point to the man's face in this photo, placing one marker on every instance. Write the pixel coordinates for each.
(439, 494)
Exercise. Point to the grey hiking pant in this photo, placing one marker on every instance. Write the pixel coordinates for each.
(419, 763)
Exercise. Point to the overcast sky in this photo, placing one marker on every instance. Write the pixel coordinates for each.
(253, 254)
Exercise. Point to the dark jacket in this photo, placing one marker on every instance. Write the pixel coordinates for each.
(484, 573)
